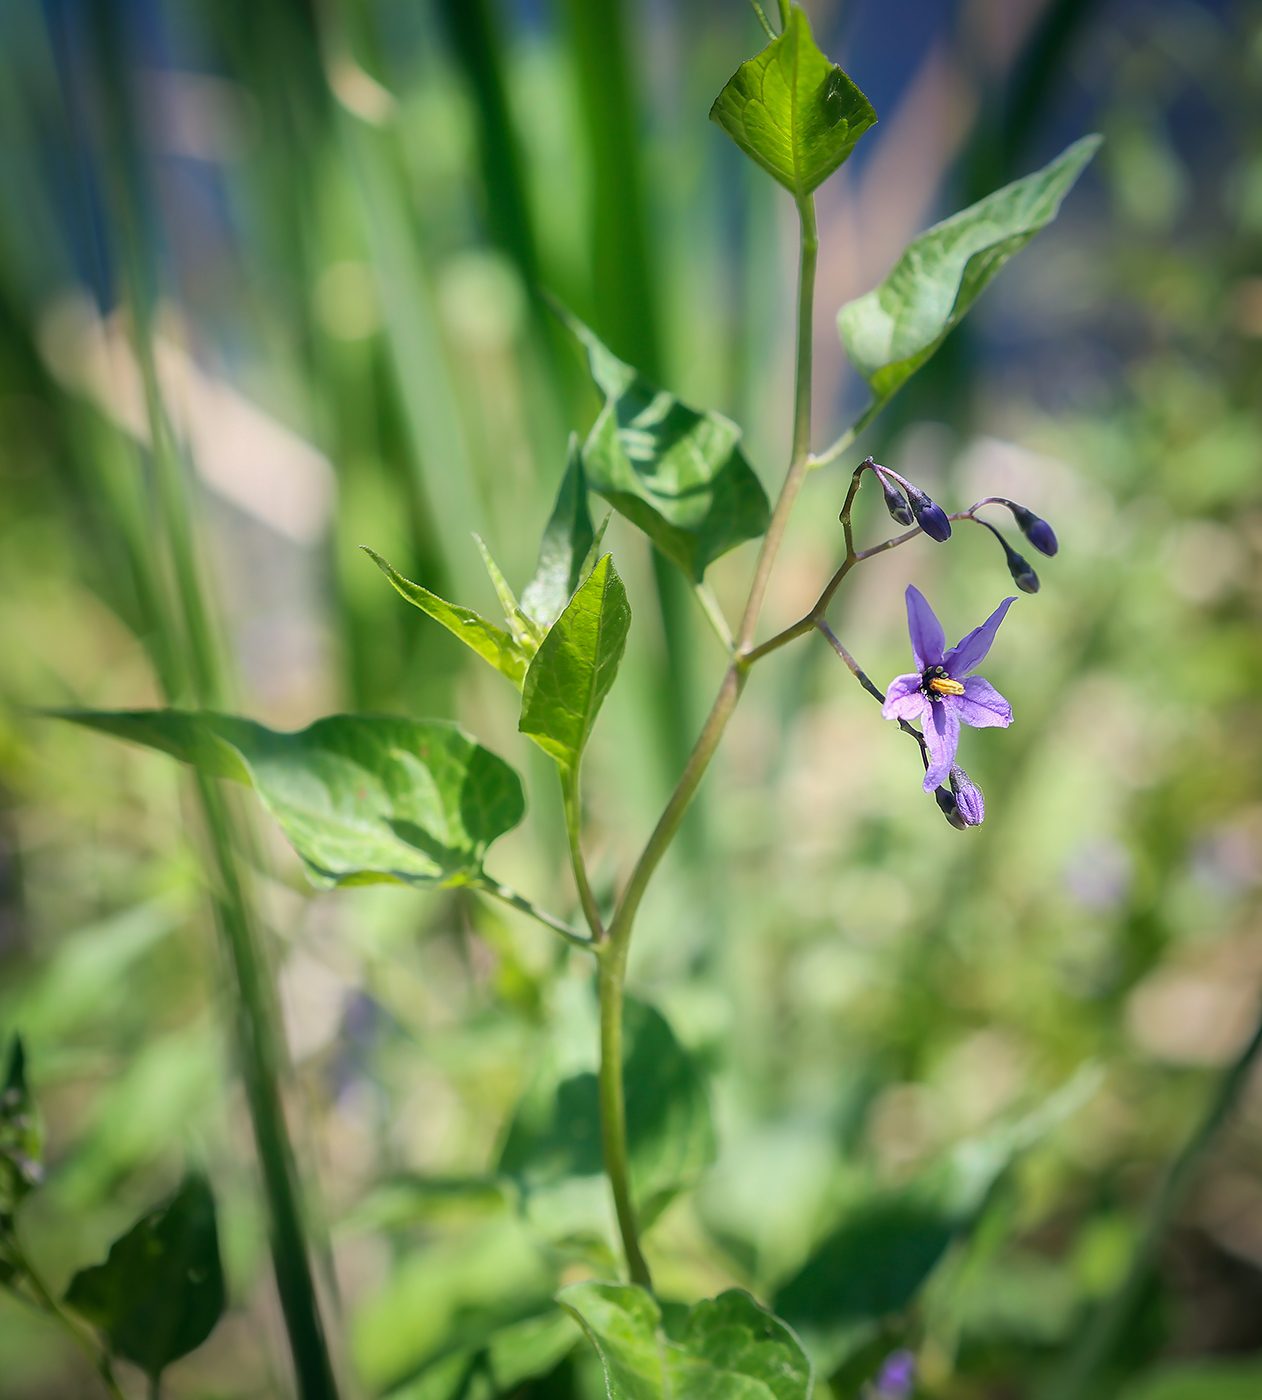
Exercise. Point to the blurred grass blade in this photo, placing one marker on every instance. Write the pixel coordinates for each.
(892, 330)
(791, 110)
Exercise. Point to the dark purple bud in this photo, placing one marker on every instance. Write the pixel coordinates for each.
(1039, 533)
(930, 516)
(1022, 574)
(897, 1378)
(895, 503)
(945, 799)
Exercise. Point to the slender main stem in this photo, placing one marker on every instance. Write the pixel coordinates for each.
(617, 939)
(1100, 1339)
(574, 830)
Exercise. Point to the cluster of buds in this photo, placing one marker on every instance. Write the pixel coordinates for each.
(943, 692)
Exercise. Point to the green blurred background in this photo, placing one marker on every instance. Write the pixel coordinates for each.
(339, 218)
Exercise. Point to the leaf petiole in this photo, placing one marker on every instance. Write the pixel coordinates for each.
(519, 901)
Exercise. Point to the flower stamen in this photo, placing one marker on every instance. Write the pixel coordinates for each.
(944, 685)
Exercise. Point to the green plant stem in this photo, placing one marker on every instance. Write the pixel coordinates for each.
(1101, 1336)
(762, 19)
(801, 426)
(47, 1303)
(574, 828)
(510, 896)
(616, 946)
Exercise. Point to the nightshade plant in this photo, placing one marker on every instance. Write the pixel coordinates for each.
(420, 802)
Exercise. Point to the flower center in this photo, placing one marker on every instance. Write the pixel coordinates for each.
(936, 683)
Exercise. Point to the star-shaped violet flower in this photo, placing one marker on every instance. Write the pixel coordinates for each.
(941, 693)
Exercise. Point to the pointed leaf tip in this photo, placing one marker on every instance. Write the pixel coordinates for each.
(892, 330)
(792, 110)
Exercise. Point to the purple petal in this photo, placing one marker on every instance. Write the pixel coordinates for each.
(927, 636)
(971, 651)
(981, 705)
(942, 738)
(904, 699)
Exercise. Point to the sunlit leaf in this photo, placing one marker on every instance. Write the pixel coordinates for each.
(360, 797)
(21, 1136)
(567, 540)
(678, 474)
(491, 643)
(892, 330)
(792, 111)
(726, 1347)
(160, 1291)
(575, 666)
(556, 1131)
(526, 632)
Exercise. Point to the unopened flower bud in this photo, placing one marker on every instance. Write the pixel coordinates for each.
(930, 516)
(1039, 533)
(1022, 574)
(968, 797)
(895, 503)
(945, 799)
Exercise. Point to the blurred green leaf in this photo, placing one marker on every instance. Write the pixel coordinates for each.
(491, 643)
(510, 1356)
(556, 1130)
(160, 1291)
(869, 1267)
(893, 329)
(1203, 1380)
(21, 1136)
(567, 539)
(725, 1347)
(360, 797)
(575, 666)
(678, 474)
(791, 110)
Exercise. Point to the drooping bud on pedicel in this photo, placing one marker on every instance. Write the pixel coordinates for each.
(930, 516)
(895, 503)
(1039, 533)
(968, 797)
(946, 799)
(1019, 567)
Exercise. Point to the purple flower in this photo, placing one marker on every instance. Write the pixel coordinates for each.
(941, 693)
(897, 1378)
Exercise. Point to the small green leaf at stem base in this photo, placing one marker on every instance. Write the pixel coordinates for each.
(893, 329)
(361, 798)
(725, 1347)
(160, 1291)
(567, 539)
(575, 666)
(792, 111)
(676, 473)
(493, 644)
(21, 1135)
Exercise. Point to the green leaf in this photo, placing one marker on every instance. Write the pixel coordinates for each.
(556, 1130)
(21, 1136)
(892, 330)
(491, 643)
(678, 474)
(512, 1355)
(567, 540)
(724, 1347)
(574, 667)
(793, 111)
(360, 797)
(160, 1291)
(526, 632)
(869, 1267)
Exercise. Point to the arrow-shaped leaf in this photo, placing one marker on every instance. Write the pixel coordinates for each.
(678, 474)
(567, 540)
(725, 1347)
(792, 111)
(360, 797)
(491, 643)
(896, 327)
(575, 666)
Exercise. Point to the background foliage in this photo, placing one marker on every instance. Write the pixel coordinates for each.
(965, 1054)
